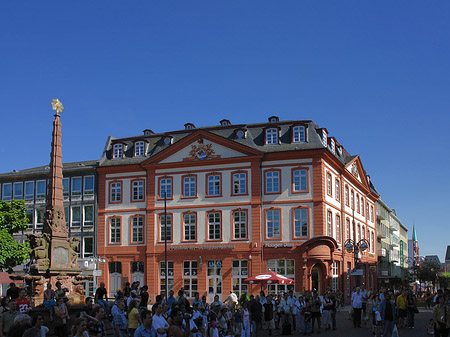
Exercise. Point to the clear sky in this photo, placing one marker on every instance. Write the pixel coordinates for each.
(376, 74)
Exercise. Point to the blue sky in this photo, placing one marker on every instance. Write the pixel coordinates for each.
(374, 73)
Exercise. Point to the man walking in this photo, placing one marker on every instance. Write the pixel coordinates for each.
(387, 311)
(357, 307)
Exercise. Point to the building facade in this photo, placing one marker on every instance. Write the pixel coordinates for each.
(233, 201)
(80, 207)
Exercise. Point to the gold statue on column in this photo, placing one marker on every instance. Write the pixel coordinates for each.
(57, 105)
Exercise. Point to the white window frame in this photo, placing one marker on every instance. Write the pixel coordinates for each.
(239, 273)
(39, 194)
(165, 186)
(10, 194)
(239, 183)
(76, 194)
(137, 229)
(285, 268)
(272, 136)
(190, 226)
(272, 181)
(116, 191)
(162, 277)
(214, 226)
(88, 222)
(139, 149)
(19, 196)
(115, 230)
(41, 211)
(338, 227)
(189, 186)
(85, 253)
(240, 225)
(214, 185)
(301, 222)
(66, 191)
(117, 151)
(273, 224)
(162, 223)
(88, 191)
(27, 195)
(300, 178)
(73, 223)
(335, 276)
(298, 134)
(190, 278)
(137, 190)
(330, 223)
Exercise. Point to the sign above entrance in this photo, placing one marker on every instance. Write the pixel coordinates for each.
(356, 272)
(203, 247)
(279, 245)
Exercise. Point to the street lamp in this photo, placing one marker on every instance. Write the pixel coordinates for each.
(165, 246)
(356, 247)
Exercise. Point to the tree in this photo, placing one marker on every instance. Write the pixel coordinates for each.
(444, 280)
(13, 219)
(427, 272)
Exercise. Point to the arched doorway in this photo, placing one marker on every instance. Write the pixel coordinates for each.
(316, 279)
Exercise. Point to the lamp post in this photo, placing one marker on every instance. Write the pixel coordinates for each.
(356, 247)
(166, 267)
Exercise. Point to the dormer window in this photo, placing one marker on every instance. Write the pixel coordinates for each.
(240, 133)
(118, 151)
(333, 145)
(189, 126)
(139, 149)
(148, 132)
(339, 150)
(225, 122)
(298, 134)
(167, 140)
(273, 119)
(272, 136)
(324, 137)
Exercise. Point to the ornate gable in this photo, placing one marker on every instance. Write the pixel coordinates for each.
(356, 169)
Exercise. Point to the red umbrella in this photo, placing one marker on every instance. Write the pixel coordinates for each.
(269, 277)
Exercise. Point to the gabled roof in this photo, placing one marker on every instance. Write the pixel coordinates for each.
(447, 254)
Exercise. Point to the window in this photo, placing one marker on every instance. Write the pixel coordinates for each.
(213, 185)
(347, 228)
(190, 283)
(189, 186)
(88, 216)
(371, 213)
(76, 188)
(137, 190)
(137, 267)
(273, 224)
(298, 134)
(7, 192)
(40, 215)
(367, 210)
(357, 202)
(165, 188)
(324, 138)
(300, 180)
(117, 151)
(214, 226)
(76, 217)
(29, 190)
(18, 191)
(137, 229)
(114, 230)
(139, 149)
(363, 234)
(166, 227)
(66, 216)
(88, 246)
(239, 273)
(239, 183)
(346, 196)
(338, 189)
(66, 182)
(335, 276)
(372, 242)
(41, 191)
(89, 186)
(300, 222)
(352, 199)
(329, 223)
(272, 181)
(362, 206)
(329, 185)
(115, 192)
(358, 233)
(162, 273)
(283, 267)
(240, 224)
(333, 145)
(190, 226)
(338, 227)
(272, 136)
(30, 217)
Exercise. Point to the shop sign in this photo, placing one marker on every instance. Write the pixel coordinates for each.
(279, 245)
(201, 247)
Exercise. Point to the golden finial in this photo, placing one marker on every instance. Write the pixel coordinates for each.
(57, 105)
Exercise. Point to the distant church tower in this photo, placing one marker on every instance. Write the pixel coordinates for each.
(413, 246)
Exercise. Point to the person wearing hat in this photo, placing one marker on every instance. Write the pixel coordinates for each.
(133, 296)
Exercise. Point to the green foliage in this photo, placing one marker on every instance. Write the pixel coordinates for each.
(427, 272)
(13, 219)
(444, 280)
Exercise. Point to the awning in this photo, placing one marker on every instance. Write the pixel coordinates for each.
(4, 278)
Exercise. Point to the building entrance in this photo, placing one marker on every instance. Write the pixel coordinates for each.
(214, 280)
(316, 276)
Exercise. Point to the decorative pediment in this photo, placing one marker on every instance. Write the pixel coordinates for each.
(356, 169)
(202, 146)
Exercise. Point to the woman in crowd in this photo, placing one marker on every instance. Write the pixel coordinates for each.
(49, 299)
(411, 307)
(246, 319)
(38, 323)
(327, 307)
(175, 329)
(79, 328)
(134, 320)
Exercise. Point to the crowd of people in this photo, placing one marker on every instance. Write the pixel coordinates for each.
(131, 314)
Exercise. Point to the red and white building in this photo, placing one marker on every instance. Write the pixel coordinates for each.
(241, 199)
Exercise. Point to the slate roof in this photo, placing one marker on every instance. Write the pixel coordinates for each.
(254, 139)
(88, 165)
(447, 254)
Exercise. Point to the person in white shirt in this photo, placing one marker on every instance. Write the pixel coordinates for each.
(357, 307)
(159, 322)
(291, 301)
